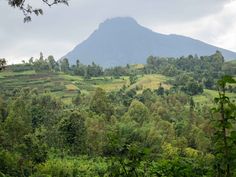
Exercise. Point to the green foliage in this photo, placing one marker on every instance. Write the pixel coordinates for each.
(2, 64)
(73, 132)
(87, 71)
(3, 111)
(224, 138)
(128, 161)
(229, 68)
(18, 122)
(79, 129)
(133, 79)
(96, 139)
(192, 88)
(33, 149)
(178, 167)
(125, 150)
(65, 66)
(44, 110)
(77, 100)
(138, 112)
(9, 163)
(160, 90)
(100, 104)
(117, 71)
(71, 167)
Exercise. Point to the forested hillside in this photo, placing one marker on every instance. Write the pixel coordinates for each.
(170, 117)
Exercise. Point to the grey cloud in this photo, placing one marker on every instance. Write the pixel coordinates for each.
(61, 27)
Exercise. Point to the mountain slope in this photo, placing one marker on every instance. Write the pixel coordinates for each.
(122, 40)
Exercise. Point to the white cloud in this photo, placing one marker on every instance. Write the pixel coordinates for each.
(227, 21)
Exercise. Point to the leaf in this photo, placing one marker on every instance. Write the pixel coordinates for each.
(36, 12)
(216, 100)
(27, 19)
(228, 79)
(40, 11)
(233, 135)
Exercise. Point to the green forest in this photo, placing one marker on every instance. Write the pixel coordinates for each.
(170, 117)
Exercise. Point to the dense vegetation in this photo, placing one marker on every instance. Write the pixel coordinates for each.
(131, 130)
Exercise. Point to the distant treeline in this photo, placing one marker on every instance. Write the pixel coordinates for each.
(190, 74)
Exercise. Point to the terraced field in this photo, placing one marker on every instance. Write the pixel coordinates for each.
(208, 97)
(67, 86)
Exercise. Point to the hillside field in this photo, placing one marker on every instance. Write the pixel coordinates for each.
(66, 86)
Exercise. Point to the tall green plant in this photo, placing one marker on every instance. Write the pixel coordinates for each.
(225, 135)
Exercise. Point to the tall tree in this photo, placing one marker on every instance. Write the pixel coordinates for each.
(53, 65)
(160, 90)
(225, 136)
(65, 66)
(73, 132)
(3, 63)
(138, 111)
(100, 104)
(18, 122)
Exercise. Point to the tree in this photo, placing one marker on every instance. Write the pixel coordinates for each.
(18, 122)
(3, 111)
(138, 111)
(65, 66)
(217, 60)
(40, 64)
(160, 90)
(27, 9)
(225, 135)
(126, 152)
(208, 82)
(77, 63)
(94, 70)
(3, 64)
(77, 99)
(192, 88)
(73, 132)
(100, 103)
(53, 65)
(133, 79)
(147, 97)
(44, 110)
(33, 152)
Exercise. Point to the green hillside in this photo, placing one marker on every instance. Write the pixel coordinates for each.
(164, 118)
(66, 86)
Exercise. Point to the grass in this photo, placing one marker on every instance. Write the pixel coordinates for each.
(71, 87)
(109, 84)
(137, 66)
(70, 78)
(66, 86)
(151, 81)
(208, 97)
(146, 81)
(9, 73)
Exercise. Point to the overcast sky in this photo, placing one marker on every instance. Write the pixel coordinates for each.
(61, 28)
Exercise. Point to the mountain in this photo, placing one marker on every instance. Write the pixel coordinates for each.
(122, 40)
